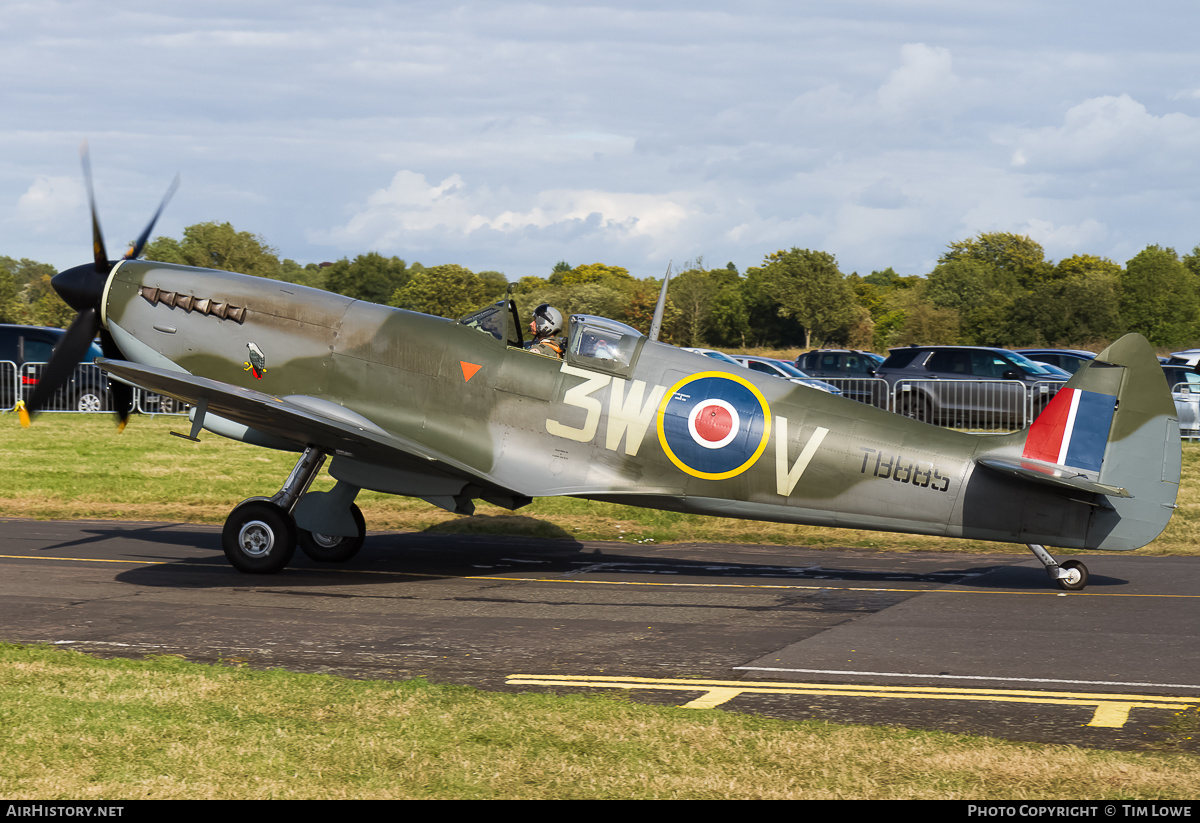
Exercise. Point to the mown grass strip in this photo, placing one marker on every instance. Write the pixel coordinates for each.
(81, 728)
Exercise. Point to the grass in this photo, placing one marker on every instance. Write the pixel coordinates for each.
(76, 466)
(81, 728)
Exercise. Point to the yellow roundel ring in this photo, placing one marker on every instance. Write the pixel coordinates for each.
(713, 425)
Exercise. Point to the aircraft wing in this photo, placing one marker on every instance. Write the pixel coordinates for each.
(297, 421)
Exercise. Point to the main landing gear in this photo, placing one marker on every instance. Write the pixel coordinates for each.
(1071, 576)
(261, 534)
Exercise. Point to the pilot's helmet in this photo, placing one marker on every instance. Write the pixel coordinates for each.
(547, 320)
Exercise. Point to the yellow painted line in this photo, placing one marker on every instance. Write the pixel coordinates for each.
(78, 559)
(1109, 710)
(584, 582)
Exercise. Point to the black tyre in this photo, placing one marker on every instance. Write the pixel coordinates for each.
(1077, 576)
(259, 537)
(327, 548)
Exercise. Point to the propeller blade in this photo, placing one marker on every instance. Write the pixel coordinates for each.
(98, 251)
(82, 287)
(120, 394)
(67, 355)
(135, 251)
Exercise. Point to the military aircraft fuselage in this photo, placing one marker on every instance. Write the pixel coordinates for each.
(627, 419)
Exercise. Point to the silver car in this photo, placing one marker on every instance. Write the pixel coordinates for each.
(785, 370)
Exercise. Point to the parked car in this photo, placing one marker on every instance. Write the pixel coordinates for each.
(714, 354)
(1182, 378)
(785, 370)
(1184, 382)
(1185, 379)
(1191, 357)
(974, 386)
(1069, 360)
(850, 370)
(26, 348)
(1179, 374)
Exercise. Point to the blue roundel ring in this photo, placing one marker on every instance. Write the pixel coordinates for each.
(713, 425)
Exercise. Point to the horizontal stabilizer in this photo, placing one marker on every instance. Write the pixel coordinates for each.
(1039, 471)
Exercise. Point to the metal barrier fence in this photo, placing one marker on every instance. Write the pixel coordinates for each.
(1187, 409)
(983, 405)
(987, 405)
(85, 392)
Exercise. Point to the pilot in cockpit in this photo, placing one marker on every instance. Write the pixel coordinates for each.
(546, 326)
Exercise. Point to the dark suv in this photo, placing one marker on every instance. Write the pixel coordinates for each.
(970, 386)
(850, 370)
(23, 350)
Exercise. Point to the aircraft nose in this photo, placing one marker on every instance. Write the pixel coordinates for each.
(80, 287)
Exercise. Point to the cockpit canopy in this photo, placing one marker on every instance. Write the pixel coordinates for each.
(598, 342)
(592, 342)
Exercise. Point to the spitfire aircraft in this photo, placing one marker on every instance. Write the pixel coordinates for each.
(457, 411)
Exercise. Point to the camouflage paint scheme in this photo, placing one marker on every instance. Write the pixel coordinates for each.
(450, 412)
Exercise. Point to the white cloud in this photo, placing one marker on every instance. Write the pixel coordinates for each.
(924, 83)
(49, 200)
(412, 213)
(1110, 133)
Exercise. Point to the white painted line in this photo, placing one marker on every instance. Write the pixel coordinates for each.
(973, 677)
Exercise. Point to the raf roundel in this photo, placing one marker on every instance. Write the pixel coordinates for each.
(713, 425)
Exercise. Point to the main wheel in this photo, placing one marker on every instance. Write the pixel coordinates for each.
(259, 537)
(330, 548)
(1077, 576)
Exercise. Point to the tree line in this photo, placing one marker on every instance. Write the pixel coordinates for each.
(995, 289)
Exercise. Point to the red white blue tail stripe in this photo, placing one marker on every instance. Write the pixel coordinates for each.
(1073, 430)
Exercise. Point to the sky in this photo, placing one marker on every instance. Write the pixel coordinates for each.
(510, 136)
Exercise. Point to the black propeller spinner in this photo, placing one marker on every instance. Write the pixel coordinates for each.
(82, 288)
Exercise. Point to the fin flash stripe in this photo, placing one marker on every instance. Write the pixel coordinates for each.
(1072, 430)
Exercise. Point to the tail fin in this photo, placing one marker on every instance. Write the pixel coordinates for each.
(1113, 431)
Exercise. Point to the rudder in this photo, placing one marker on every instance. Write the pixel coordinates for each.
(1141, 450)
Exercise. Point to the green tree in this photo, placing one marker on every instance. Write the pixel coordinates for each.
(979, 292)
(1010, 254)
(447, 291)
(369, 276)
(46, 308)
(310, 275)
(217, 246)
(1079, 306)
(928, 325)
(612, 276)
(808, 287)
(26, 271)
(11, 305)
(1159, 298)
(697, 294)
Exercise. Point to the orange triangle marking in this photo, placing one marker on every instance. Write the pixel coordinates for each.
(469, 369)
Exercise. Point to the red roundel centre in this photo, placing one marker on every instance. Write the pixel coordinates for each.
(714, 423)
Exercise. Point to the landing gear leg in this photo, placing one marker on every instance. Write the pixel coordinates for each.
(259, 536)
(1071, 576)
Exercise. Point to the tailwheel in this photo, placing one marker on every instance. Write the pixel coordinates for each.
(1070, 576)
(1073, 576)
(259, 537)
(329, 548)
